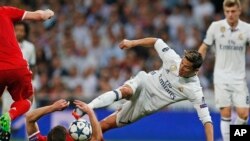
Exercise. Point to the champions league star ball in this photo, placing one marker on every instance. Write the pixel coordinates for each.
(80, 130)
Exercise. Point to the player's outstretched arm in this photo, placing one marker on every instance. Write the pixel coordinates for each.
(97, 131)
(33, 116)
(145, 42)
(203, 50)
(209, 131)
(39, 15)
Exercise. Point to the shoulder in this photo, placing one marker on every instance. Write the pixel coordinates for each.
(218, 23)
(194, 85)
(244, 25)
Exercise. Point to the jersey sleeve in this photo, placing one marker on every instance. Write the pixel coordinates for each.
(37, 137)
(201, 107)
(209, 39)
(13, 13)
(164, 51)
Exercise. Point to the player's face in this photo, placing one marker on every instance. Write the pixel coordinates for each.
(20, 32)
(186, 68)
(232, 14)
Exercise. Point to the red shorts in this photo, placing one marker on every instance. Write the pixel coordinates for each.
(18, 82)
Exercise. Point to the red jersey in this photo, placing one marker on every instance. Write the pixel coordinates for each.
(10, 53)
(38, 137)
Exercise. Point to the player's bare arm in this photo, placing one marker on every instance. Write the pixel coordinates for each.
(209, 131)
(33, 116)
(203, 50)
(145, 42)
(97, 132)
(38, 15)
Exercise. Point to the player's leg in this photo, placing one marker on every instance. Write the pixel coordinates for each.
(106, 99)
(21, 90)
(109, 122)
(241, 102)
(225, 122)
(122, 117)
(125, 91)
(223, 102)
(242, 116)
(111, 96)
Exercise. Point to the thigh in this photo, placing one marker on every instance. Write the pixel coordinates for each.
(240, 96)
(109, 122)
(20, 86)
(136, 82)
(223, 94)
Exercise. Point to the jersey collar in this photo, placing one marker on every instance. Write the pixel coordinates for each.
(228, 27)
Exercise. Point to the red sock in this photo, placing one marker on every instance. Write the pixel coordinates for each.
(18, 108)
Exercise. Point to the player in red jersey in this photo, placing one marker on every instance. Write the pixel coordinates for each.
(59, 133)
(15, 74)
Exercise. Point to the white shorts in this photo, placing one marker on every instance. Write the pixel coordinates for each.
(227, 95)
(130, 110)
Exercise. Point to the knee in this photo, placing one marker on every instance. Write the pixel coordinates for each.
(243, 115)
(126, 91)
(225, 112)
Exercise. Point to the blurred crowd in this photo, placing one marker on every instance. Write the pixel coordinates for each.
(78, 53)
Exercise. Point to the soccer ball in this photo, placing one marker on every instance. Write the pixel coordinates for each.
(80, 130)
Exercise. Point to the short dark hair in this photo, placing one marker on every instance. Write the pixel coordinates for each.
(194, 57)
(26, 28)
(58, 133)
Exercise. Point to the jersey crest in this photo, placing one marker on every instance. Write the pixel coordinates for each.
(240, 37)
(173, 68)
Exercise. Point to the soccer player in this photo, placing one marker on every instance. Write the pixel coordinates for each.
(147, 93)
(14, 71)
(59, 133)
(28, 51)
(230, 37)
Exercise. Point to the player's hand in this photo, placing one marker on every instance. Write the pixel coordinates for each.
(60, 105)
(82, 106)
(126, 44)
(49, 13)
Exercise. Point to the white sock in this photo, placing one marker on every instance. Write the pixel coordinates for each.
(224, 128)
(105, 99)
(240, 121)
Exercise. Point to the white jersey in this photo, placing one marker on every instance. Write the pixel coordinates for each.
(157, 89)
(28, 50)
(230, 49)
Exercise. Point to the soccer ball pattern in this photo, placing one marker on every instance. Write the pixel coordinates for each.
(80, 130)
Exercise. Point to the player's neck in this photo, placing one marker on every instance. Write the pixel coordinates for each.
(233, 25)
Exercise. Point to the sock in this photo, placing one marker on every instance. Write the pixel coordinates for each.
(224, 127)
(105, 99)
(18, 108)
(240, 121)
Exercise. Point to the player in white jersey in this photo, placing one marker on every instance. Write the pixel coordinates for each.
(230, 37)
(149, 92)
